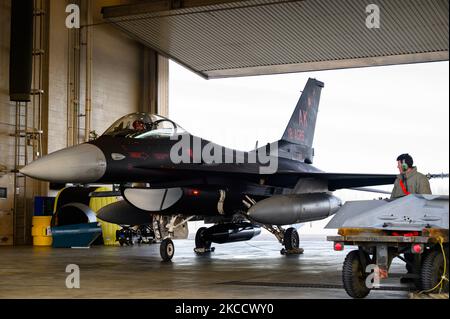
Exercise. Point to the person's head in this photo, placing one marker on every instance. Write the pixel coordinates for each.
(404, 162)
(139, 125)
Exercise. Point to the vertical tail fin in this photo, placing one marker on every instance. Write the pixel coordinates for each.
(300, 129)
(298, 137)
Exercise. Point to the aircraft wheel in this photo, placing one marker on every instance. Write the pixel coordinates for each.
(432, 272)
(354, 276)
(167, 249)
(200, 242)
(409, 257)
(413, 268)
(291, 240)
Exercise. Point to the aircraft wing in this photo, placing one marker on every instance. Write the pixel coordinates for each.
(287, 179)
(349, 180)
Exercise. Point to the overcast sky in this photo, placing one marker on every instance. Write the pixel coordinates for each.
(367, 116)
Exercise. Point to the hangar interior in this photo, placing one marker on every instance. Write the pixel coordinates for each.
(73, 72)
(117, 62)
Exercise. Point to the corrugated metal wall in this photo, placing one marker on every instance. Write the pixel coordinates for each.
(271, 33)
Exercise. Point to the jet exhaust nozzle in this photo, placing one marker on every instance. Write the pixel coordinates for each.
(228, 233)
(295, 208)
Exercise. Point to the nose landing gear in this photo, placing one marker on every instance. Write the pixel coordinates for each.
(167, 249)
(166, 230)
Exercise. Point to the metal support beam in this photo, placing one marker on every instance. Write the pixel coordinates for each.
(331, 65)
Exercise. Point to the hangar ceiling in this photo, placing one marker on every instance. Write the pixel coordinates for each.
(217, 38)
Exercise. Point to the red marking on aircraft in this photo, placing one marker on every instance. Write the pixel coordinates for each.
(300, 135)
(312, 99)
(296, 134)
(290, 133)
(139, 155)
(303, 118)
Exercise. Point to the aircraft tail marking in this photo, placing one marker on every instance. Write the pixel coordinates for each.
(300, 129)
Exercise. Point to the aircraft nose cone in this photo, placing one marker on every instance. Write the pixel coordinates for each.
(83, 163)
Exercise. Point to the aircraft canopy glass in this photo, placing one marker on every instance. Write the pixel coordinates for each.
(144, 125)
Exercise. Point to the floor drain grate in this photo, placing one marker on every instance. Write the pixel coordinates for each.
(305, 285)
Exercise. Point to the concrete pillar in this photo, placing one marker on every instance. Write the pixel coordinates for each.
(155, 83)
(163, 86)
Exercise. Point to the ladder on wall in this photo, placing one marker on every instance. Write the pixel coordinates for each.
(21, 219)
(28, 132)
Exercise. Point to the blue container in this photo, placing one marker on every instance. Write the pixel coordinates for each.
(43, 206)
(79, 235)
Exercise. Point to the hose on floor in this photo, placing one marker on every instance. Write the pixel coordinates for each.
(440, 284)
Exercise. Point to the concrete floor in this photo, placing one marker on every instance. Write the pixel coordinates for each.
(253, 269)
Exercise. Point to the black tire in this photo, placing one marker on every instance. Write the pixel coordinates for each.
(291, 239)
(167, 249)
(200, 242)
(409, 257)
(432, 270)
(354, 276)
(414, 268)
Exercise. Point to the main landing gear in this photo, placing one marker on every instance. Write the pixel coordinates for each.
(202, 246)
(288, 238)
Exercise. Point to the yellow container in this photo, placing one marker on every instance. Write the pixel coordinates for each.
(108, 229)
(39, 231)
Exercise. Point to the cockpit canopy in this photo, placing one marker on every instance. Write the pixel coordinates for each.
(144, 125)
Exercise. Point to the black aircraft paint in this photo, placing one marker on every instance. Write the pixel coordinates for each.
(136, 149)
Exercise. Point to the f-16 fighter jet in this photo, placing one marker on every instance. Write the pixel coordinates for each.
(168, 177)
